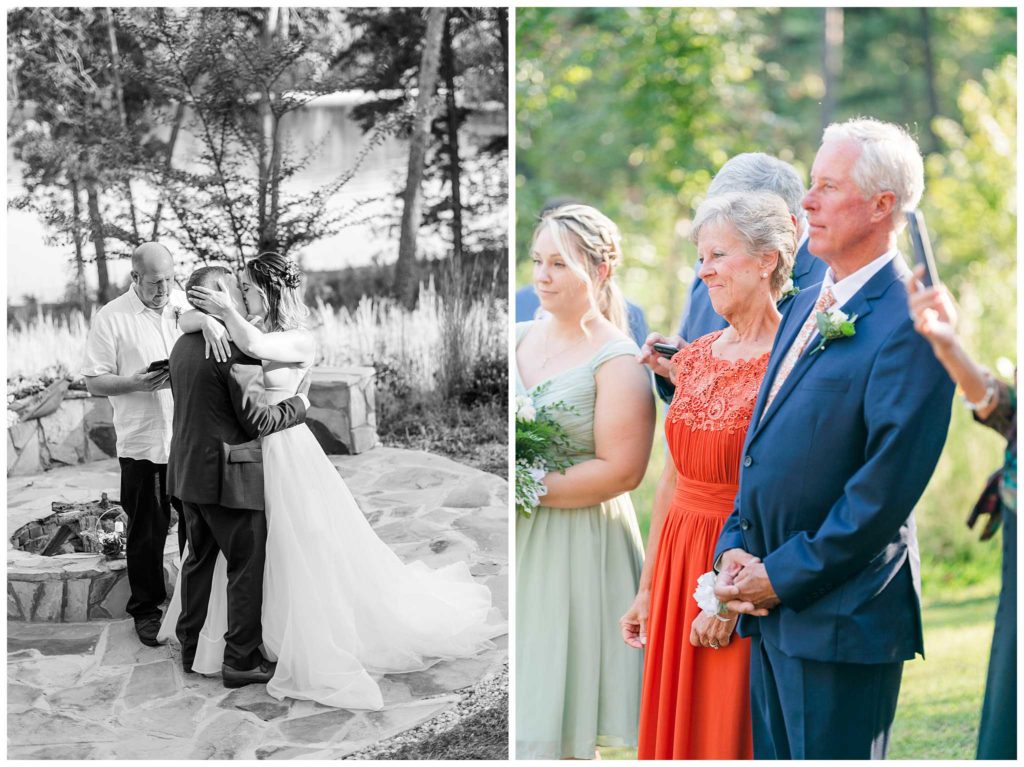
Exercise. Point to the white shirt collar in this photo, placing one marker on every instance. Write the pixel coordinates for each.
(847, 287)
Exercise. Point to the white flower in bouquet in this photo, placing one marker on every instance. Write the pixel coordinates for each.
(525, 409)
(705, 593)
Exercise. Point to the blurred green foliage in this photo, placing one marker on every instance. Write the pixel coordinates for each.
(633, 111)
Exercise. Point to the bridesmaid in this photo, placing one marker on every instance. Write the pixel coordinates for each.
(578, 557)
(696, 691)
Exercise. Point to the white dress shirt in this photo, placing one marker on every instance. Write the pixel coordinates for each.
(847, 287)
(126, 336)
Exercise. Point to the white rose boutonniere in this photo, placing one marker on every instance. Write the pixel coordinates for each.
(789, 289)
(833, 325)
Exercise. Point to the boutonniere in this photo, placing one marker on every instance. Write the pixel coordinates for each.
(789, 289)
(832, 325)
(177, 315)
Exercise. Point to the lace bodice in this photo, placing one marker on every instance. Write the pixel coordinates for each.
(714, 394)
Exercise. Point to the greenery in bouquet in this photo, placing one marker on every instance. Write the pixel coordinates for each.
(541, 447)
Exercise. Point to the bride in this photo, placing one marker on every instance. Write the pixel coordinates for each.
(339, 607)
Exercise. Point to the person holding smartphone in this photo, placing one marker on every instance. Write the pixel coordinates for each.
(994, 404)
(696, 690)
(127, 338)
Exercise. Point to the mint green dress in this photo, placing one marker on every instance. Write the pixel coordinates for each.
(577, 571)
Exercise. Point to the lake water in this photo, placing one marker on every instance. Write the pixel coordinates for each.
(326, 125)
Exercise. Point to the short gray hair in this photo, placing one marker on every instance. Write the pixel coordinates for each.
(889, 161)
(760, 172)
(762, 220)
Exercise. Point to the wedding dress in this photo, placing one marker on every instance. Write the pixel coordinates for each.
(339, 607)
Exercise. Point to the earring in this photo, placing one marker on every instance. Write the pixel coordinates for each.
(764, 275)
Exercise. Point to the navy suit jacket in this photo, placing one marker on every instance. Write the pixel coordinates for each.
(699, 317)
(830, 477)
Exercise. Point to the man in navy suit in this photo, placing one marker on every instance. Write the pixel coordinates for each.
(820, 551)
(747, 172)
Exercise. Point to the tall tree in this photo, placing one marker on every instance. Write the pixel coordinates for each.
(831, 61)
(426, 106)
(452, 123)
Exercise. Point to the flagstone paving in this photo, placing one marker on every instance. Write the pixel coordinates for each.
(93, 691)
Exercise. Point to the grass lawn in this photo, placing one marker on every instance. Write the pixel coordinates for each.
(940, 699)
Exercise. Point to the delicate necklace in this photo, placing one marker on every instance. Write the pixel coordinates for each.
(546, 358)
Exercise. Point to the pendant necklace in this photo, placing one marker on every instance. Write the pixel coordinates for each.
(546, 358)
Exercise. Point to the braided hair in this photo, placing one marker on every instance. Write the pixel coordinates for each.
(586, 238)
(278, 279)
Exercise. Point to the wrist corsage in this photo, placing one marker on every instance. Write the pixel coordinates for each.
(706, 599)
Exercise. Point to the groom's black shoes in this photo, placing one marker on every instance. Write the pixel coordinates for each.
(147, 628)
(262, 674)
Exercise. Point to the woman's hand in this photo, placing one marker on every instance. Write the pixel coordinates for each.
(217, 303)
(711, 631)
(634, 622)
(933, 312)
(217, 339)
(658, 364)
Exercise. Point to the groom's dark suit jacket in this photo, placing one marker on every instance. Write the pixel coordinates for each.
(830, 477)
(220, 411)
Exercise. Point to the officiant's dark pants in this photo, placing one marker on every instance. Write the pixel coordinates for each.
(804, 709)
(145, 501)
(242, 535)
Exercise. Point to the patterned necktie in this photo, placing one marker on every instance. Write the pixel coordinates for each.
(825, 302)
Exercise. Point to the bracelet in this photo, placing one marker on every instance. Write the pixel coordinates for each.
(984, 402)
(724, 620)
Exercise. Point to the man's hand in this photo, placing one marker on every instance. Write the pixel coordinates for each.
(747, 590)
(217, 339)
(634, 623)
(142, 380)
(733, 559)
(658, 364)
(710, 631)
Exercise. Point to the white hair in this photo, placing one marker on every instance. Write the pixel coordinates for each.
(889, 161)
(760, 172)
(762, 221)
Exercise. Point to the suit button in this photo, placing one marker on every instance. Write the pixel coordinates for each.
(744, 524)
(748, 461)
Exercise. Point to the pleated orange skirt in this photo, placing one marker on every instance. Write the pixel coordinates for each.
(695, 702)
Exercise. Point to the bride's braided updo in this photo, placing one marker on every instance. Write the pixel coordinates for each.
(279, 280)
(586, 238)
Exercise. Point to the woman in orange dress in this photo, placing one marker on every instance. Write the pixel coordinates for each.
(695, 702)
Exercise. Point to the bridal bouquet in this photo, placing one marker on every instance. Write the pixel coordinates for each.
(541, 443)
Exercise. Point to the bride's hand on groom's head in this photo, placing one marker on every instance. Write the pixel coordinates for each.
(213, 302)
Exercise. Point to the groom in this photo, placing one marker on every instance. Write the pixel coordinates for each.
(216, 470)
(821, 544)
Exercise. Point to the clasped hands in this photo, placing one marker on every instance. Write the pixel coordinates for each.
(743, 584)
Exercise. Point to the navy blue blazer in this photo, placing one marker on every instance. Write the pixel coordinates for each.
(830, 477)
(699, 317)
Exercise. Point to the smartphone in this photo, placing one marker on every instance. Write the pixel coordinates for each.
(922, 247)
(665, 350)
(158, 365)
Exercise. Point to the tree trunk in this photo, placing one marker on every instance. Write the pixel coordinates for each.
(122, 112)
(81, 294)
(96, 230)
(412, 211)
(179, 117)
(454, 171)
(831, 62)
(271, 21)
(929, 77)
(503, 34)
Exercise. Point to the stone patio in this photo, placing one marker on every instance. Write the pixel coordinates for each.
(93, 691)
